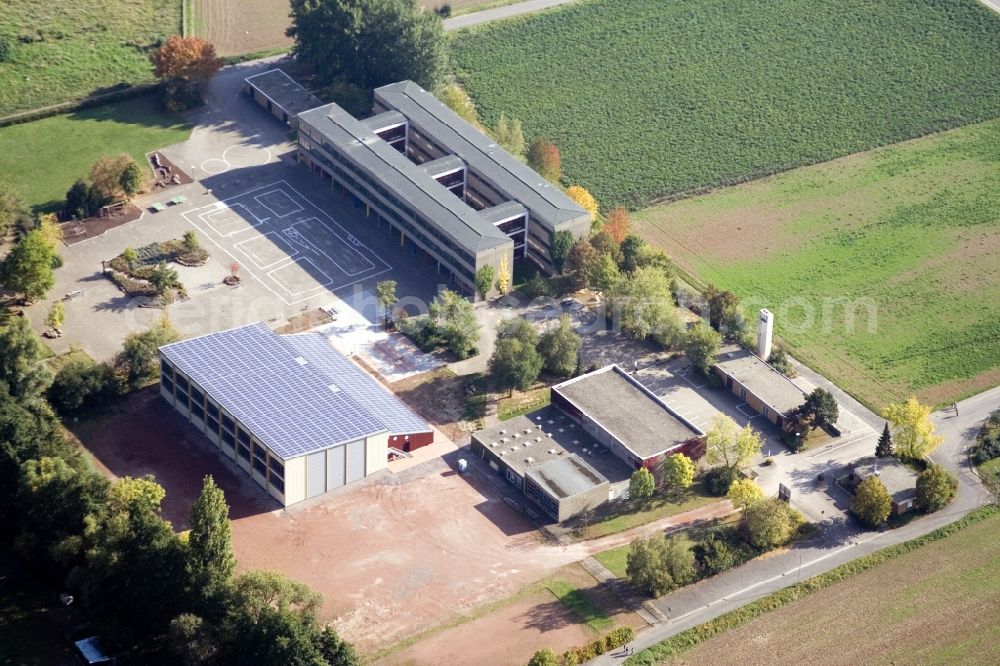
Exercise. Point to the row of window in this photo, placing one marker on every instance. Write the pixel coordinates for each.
(233, 437)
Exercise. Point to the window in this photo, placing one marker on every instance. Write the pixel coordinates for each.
(228, 424)
(197, 396)
(243, 450)
(198, 410)
(165, 369)
(260, 467)
(212, 424)
(244, 438)
(167, 384)
(259, 459)
(276, 467)
(213, 410)
(228, 439)
(182, 382)
(278, 484)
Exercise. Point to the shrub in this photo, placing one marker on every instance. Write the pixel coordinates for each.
(82, 384)
(769, 523)
(871, 503)
(715, 555)
(444, 11)
(5, 48)
(718, 480)
(987, 445)
(779, 361)
(936, 488)
(544, 657)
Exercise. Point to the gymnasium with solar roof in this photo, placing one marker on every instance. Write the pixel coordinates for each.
(289, 410)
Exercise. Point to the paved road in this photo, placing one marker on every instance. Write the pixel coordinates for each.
(500, 13)
(838, 543)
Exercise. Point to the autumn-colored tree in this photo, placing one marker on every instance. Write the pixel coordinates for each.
(912, 429)
(543, 157)
(583, 198)
(503, 276)
(186, 59)
(619, 225)
(457, 99)
(106, 176)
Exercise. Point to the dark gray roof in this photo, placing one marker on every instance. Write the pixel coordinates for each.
(898, 479)
(365, 389)
(443, 165)
(566, 476)
(504, 211)
(259, 377)
(382, 120)
(626, 409)
(284, 91)
(548, 204)
(775, 389)
(403, 178)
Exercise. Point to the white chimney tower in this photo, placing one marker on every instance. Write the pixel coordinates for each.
(765, 330)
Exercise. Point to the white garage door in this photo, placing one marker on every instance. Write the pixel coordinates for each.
(335, 467)
(355, 461)
(316, 474)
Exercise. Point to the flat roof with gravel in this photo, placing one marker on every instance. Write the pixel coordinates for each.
(284, 91)
(629, 411)
(565, 477)
(775, 389)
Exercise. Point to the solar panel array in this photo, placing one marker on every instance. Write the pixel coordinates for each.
(391, 413)
(252, 372)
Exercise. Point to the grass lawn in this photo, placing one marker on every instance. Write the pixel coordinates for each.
(523, 402)
(937, 604)
(616, 560)
(67, 50)
(43, 158)
(882, 268)
(621, 516)
(582, 606)
(647, 98)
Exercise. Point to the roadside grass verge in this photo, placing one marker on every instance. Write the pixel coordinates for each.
(615, 517)
(581, 605)
(42, 159)
(687, 640)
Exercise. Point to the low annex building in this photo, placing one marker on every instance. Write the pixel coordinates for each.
(280, 94)
(899, 480)
(289, 410)
(448, 191)
(581, 451)
(761, 387)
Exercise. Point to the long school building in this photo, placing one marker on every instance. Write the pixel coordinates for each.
(445, 188)
(289, 410)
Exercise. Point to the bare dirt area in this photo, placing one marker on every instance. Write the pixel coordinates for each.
(236, 27)
(439, 397)
(937, 604)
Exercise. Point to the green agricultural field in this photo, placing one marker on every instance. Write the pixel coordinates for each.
(66, 50)
(651, 98)
(905, 240)
(43, 158)
(938, 604)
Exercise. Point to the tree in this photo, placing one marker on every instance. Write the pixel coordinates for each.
(769, 523)
(913, 430)
(135, 562)
(562, 243)
(727, 445)
(190, 241)
(643, 307)
(56, 315)
(484, 280)
(454, 320)
(368, 43)
(884, 447)
(604, 274)
(580, 263)
(678, 471)
(13, 211)
(544, 657)
(584, 199)
(701, 344)
(641, 485)
(822, 407)
(779, 361)
(631, 245)
(192, 639)
(510, 135)
(163, 278)
(503, 276)
(140, 351)
(81, 384)
(936, 488)
(107, 175)
(744, 493)
(658, 564)
(77, 200)
(48, 225)
(560, 348)
(457, 99)
(872, 503)
(543, 157)
(131, 180)
(515, 362)
(27, 269)
(654, 257)
(189, 59)
(385, 291)
(209, 562)
(724, 310)
(21, 368)
(618, 224)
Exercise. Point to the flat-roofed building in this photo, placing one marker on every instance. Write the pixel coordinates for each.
(761, 387)
(619, 412)
(280, 94)
(289, 410)
(443, 186)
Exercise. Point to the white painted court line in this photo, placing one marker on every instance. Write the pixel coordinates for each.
(259, 198)
(254, 257)
(296, 236)
(211, 219)
(299, 264)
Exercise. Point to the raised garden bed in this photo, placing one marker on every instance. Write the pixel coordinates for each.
(134, 277)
